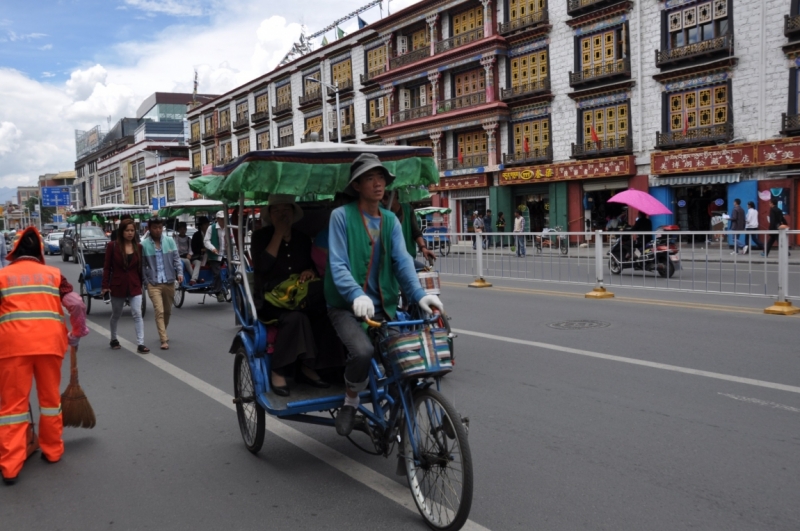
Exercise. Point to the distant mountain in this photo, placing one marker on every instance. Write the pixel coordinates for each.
(7, 194)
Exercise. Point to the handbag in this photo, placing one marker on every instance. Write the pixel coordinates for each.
(290, 294)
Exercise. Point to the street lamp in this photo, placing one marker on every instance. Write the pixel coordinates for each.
(338, 115)
(158, 177)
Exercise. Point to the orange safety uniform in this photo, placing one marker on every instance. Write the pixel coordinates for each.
(34, 340)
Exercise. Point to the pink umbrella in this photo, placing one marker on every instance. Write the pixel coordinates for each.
(641, 201)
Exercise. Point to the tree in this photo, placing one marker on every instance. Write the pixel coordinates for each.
(46, 213)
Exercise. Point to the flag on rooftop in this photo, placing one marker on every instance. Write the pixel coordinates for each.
(339, 33)
(361, 23)
(324, 40)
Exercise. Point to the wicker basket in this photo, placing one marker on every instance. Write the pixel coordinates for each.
(419, 353)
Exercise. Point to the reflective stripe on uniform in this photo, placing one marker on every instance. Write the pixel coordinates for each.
(35, 315)
(25, 290)
(20, 418)
(50, 411)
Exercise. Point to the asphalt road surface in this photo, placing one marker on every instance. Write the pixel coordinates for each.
(681, 412)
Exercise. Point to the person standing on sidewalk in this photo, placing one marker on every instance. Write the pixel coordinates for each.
(776, 220)
(750, 224)
(34, 339)
(477, 226)
(519, 229)
(214, 242)
(162, 266)
(487, 226)
(500, 226)
(122, 279)
(737, 224)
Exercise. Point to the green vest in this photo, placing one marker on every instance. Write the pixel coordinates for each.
(215, 242)
(359, 251)
(411, 245)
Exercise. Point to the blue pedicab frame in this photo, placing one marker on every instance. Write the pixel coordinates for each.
(404, 412)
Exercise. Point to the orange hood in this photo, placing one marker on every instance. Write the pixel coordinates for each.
(13, 255)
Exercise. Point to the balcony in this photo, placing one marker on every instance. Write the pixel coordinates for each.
(411, 114)
(534, 156)
(520, 24)
(367, 79)
(194, 169)
(459, 40)
(194, 140)
(348, 133)
(259, 117)
(371, 127)
(223, 161)
(224, 129)
(410, 57)
(721, 45)
(604, 72)
(610, 146)
(528, 89)
(579, 7)
(790, 124)
(282, 108)
(471, 161)
(461, 102)
(208, 135)
(791, 25)
(311, 96)
(715, 134)
(241, 121)
(344, 86)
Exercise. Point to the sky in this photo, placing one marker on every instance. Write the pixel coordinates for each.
(74, 64)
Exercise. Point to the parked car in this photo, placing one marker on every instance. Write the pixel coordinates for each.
(73, 237)
(52, 243)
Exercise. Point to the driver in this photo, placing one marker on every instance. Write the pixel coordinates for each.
(368, 263)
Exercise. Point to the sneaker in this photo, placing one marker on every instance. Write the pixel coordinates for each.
(220, 297)
(345, 420)
(734, 252)
(745, 249)
(762, 254)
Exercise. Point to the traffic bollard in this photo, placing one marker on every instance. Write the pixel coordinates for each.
(599, 291)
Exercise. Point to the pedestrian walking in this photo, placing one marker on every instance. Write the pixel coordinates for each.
(123, 279)
(34, 339)
(751, 224)
(776, 221)
(737, 224)
(162, 266)
(477, 226)
(487, 226)
(500, 226)
(519, 229)
(214, 242)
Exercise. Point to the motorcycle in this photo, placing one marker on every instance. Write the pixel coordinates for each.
(660, 254)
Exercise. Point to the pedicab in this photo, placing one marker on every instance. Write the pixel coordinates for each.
(205, 279)
(90, 247)
(436, 237)
(402, 406)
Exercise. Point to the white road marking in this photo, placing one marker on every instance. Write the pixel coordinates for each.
(760, 402)
(361, 473)
(633, 361)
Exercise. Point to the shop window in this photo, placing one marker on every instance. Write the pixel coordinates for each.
(241, 111)
(376, 61)
(262, 140)
(262, 102)
(377, 108)
(313, 125)
(421, 39)
(532, 68)
(699, 22)
(532, 137)
(210, 156)
(467, 21)
(605, 127)
(195, 160)
(698, 108)
(519, 9)
(342, 73)
(208, 123)
(243, 145)
(195, 131)
(601, 50)
(286, 136)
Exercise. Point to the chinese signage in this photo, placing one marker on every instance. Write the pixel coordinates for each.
(567, 171)
(455, 183)
(56, 196)
(734, 156)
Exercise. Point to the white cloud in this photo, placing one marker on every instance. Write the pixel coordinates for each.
(46, 47)
(14, 36)
(169, 7)
(9, 137)
(48, 74)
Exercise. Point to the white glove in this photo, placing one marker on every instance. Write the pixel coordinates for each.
(429, 301)
(363, 307)
(72, 340)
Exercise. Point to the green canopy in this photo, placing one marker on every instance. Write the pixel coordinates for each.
(314, 171)
(432, 210)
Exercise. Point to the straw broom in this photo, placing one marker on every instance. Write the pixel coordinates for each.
(76, 411)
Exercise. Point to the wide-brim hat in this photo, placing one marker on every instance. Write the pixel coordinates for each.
(283, 199)
(364, 163)
(15, 251)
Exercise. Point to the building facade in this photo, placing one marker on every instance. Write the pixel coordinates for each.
(551, 106)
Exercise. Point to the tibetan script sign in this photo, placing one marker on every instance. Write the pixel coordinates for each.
(455, 183)
(568, 171)
(730, 157)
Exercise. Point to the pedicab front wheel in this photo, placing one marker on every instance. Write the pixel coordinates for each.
(251, 415)
(87, 299)
(440, 475)
(180, 293)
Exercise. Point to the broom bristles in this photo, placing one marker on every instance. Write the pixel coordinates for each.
(76, 411)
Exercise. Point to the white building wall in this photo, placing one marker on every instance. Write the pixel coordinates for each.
(561, 52)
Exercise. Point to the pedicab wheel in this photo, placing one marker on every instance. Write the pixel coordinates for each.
(250, 414)
(440, 478)
(87, 299)
(177, 299)
(444, 248)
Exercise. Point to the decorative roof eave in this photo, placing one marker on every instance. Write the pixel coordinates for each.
(605, 89)
(792, 50)
(496, 110)
(600, 14)
(494, 45)
(706, 68)
(528, 34)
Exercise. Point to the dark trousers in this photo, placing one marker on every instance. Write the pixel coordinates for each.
(773, 238)
(216, 266)
(753, 240)
(359, 347)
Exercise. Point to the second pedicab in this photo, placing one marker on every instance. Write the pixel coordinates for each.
(435, 228)
(402, 407)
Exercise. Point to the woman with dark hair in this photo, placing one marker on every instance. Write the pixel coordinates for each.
(122, 278)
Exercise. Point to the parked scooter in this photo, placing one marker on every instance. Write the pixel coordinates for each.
(660, 255)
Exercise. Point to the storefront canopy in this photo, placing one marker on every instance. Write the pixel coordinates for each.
(685, 180)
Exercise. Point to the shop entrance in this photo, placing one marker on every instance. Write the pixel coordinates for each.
(535, 208)
(598, 211)
(466, 209)
(700, 207)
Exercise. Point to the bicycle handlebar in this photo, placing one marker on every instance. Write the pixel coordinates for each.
(378, 324)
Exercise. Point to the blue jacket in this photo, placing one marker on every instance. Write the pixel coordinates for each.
(172, 261)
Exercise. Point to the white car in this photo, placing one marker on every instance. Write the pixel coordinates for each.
(52, 244)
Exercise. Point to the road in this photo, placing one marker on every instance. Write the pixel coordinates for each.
(683, 412)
